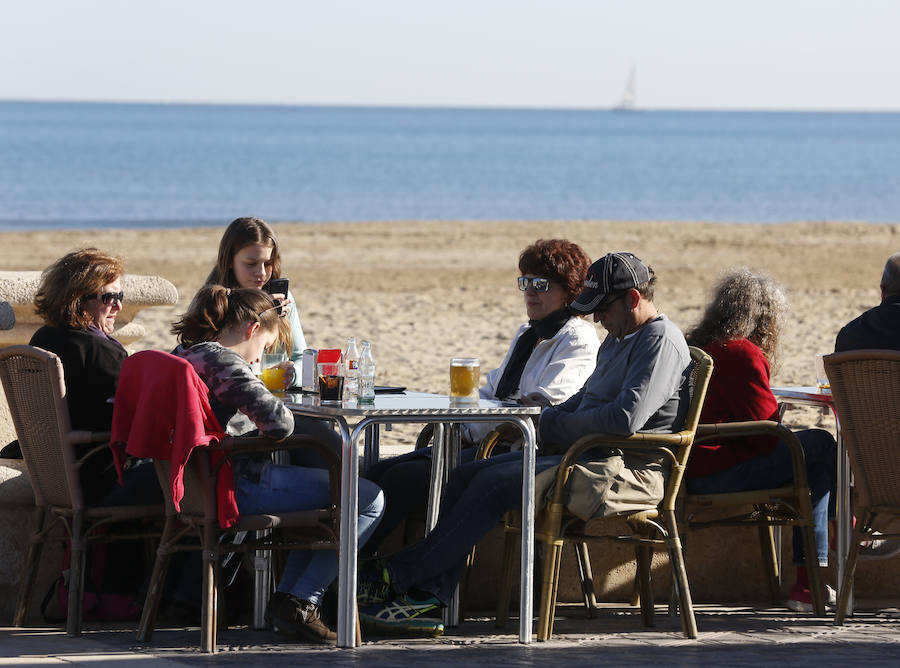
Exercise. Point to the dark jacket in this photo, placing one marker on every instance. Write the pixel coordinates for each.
(877, 328)
(91, 364)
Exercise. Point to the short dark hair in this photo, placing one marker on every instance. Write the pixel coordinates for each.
(560, 260)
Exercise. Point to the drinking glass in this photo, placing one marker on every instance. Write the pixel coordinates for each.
(464, 374)
(273, 374)
(331, 382)
(821, 378)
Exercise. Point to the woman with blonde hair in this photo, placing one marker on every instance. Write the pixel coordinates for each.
(740, 330)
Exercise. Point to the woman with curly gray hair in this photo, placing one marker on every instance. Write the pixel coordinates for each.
(740, 331)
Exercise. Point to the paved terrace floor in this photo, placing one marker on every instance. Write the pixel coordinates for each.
(729, 635)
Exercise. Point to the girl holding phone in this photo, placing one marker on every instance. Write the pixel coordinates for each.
(249, 258)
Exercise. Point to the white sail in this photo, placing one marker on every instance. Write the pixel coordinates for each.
(629, 99)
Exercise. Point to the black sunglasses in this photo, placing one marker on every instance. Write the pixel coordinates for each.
(107, 297)
(539, 284)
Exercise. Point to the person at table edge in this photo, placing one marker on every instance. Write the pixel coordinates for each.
(879, 327)
(639, 384)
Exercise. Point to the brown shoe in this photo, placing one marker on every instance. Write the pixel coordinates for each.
(292, 616)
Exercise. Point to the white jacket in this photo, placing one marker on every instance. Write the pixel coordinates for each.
(556, 369)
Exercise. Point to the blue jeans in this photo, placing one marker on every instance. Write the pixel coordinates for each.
(476, 497)
(405, 481)
(774, 470)
(280, 489)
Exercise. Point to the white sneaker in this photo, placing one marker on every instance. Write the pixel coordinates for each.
(878, 548)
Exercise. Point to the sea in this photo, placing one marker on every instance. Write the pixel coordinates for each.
(100, 165)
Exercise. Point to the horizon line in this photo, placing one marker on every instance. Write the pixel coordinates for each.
(485, 107)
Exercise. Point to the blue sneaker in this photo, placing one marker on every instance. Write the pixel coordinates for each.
(403, 615)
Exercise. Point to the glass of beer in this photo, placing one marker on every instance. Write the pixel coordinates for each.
(274, 375)
(464, 372)
(331, 382)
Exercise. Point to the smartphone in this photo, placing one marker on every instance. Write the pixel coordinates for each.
(278, 286)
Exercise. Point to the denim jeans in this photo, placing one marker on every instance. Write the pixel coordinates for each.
(280, 489)
(405, 481)
(774, 470)
(476, 497)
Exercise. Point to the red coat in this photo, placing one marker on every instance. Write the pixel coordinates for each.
(162, 411)
(738, 391)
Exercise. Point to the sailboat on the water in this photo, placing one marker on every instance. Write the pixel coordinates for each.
(628, 101)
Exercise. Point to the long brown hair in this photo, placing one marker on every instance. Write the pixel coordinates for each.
(240, 233)
(744, 306)
(65, 282)
(216, 308)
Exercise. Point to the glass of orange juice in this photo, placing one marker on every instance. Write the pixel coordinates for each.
(464, 375)
(274, 375)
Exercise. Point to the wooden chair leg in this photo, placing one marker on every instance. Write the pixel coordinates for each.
(32, 561)
(816, 588)
(769, 558)
(210, 591)
(552, 557)
(509, 548)
(157, 581)
(586, 575)
(643, 559)
(849, 574)
(464, 582)
(76, 575)
(679, 574)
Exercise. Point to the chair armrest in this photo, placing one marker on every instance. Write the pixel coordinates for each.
(84, 437)
(712, 432)
(79, 437)
(503, 431)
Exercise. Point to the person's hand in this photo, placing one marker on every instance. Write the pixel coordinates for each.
(534, 399)
(282, 301)
(289, 373)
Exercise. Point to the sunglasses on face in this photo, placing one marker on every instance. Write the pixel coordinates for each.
(107, 297)
(539, 284)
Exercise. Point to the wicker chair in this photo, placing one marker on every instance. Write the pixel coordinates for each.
(35, 390)
(556, 527)
(784, 506)
(198, 513)
(865, 385)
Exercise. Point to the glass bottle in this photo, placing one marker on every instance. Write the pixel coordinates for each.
(351, 370)
(366, 375)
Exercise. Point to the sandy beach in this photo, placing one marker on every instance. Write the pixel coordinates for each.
(425, 291)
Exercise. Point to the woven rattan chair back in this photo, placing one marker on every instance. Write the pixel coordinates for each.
(865, 385)
(35, 391)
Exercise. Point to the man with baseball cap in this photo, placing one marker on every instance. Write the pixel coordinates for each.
(639, 385)
(641, 366)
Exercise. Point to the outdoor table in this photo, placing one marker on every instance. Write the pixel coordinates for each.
(415, 407)
(821, 398)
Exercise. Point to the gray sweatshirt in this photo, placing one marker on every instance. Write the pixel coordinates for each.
(639, 384)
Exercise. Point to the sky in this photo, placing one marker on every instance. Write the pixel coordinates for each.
(688, 54)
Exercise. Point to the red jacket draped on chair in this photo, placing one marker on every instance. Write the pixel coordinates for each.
(162, 411)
